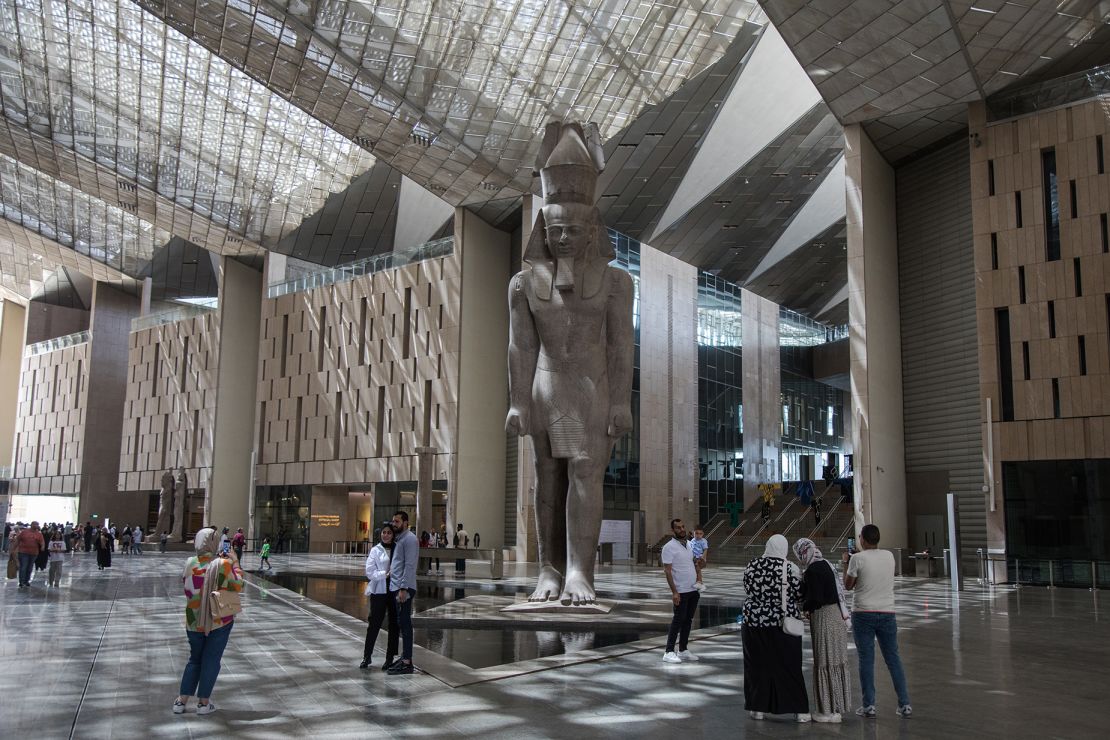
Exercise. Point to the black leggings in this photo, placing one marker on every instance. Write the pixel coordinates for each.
(381, 606)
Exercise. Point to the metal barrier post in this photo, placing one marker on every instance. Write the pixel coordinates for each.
(1051, 575)
(1094, 574)
(1017, 571)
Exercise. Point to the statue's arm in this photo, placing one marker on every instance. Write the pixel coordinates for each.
(524, 347)
(619, 351)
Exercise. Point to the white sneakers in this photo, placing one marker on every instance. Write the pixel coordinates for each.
(800, 718)
(905, 711)
(179, 707)
(682, 656)
(833, 718)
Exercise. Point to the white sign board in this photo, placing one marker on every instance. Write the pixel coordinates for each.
(619, 532)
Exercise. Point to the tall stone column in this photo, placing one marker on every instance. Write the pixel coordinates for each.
(229, 489)
(110, 325)
(426, 457)
(762, 394)
(477, 491)
(13, 318)
(874, 336)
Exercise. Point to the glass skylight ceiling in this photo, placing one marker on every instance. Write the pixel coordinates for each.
(454, 93)
(117, 85)
(88, 226)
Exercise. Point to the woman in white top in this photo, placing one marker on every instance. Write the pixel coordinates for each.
(381, 604)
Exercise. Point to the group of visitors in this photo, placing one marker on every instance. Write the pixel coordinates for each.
(31, 547)
(391, 575)
(779, 596)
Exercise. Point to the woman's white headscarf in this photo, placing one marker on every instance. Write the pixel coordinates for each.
(777, 547)
(205, 543)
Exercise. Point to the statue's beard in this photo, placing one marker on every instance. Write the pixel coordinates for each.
(564, 273)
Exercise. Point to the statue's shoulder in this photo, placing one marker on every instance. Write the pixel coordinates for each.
(620, 282)
(521, 281)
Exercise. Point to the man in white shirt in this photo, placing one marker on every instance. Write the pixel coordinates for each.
(678, 566)
(871, 575)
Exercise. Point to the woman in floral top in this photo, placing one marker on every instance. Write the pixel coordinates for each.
(204, 574)
(773, 681)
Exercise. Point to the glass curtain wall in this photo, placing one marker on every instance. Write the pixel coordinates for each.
(720, 396)
(812, 411)
(622, 477)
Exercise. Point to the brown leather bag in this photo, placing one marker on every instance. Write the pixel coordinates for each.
(223, 604)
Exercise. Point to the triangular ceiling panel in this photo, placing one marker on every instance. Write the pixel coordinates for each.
(773, 92)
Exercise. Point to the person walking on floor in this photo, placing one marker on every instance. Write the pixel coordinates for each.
(824, 603)
(57, 556)
(382, 605)
(871, 576)
(137, 540)
(402, 586)
(264, 562)
(238, 542)
(28, 544)
(205, 573)
(103, 544)
(678, 566)
(163, 538)
(462, 540)
(773, 681)
(90, 533)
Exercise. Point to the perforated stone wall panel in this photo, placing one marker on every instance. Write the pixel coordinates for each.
(171, 400)
(354, 376)
(50, 426)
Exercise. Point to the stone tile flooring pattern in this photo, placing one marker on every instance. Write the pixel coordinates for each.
(101, 657)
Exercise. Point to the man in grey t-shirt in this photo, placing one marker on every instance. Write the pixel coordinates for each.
(678, 566)
(871, 575)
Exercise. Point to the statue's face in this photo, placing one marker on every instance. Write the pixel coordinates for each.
(570, 229)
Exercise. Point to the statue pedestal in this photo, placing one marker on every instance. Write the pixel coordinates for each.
(504, 612)
(556, 607)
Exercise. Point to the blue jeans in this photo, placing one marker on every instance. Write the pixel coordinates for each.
(205, 652)
(26, 568)
(404, 623)
(867, 626)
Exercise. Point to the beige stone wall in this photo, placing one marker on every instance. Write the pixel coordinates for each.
(171, 401)
(50, 428)
(353, 377)
(1013, 148)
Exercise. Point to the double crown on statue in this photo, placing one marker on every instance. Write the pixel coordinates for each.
(569, 162)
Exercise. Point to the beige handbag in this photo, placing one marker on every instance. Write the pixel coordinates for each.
(223, 604)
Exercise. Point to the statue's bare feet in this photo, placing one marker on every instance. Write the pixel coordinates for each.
(577, 590)
(547, 585)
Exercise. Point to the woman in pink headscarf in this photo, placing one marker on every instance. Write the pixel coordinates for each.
(823, 601)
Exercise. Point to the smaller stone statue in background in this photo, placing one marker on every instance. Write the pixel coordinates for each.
(165, 504)
(181, 493)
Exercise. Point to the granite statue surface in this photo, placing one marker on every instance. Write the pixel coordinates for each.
(570, 361)
(165, 505)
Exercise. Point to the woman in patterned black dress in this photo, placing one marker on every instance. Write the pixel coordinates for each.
(773, 680)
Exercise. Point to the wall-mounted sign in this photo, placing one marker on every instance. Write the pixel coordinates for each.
(325, 520)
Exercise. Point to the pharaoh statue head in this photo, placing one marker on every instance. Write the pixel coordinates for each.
(569, 246)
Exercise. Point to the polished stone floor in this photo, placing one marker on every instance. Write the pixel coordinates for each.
(101, 657)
